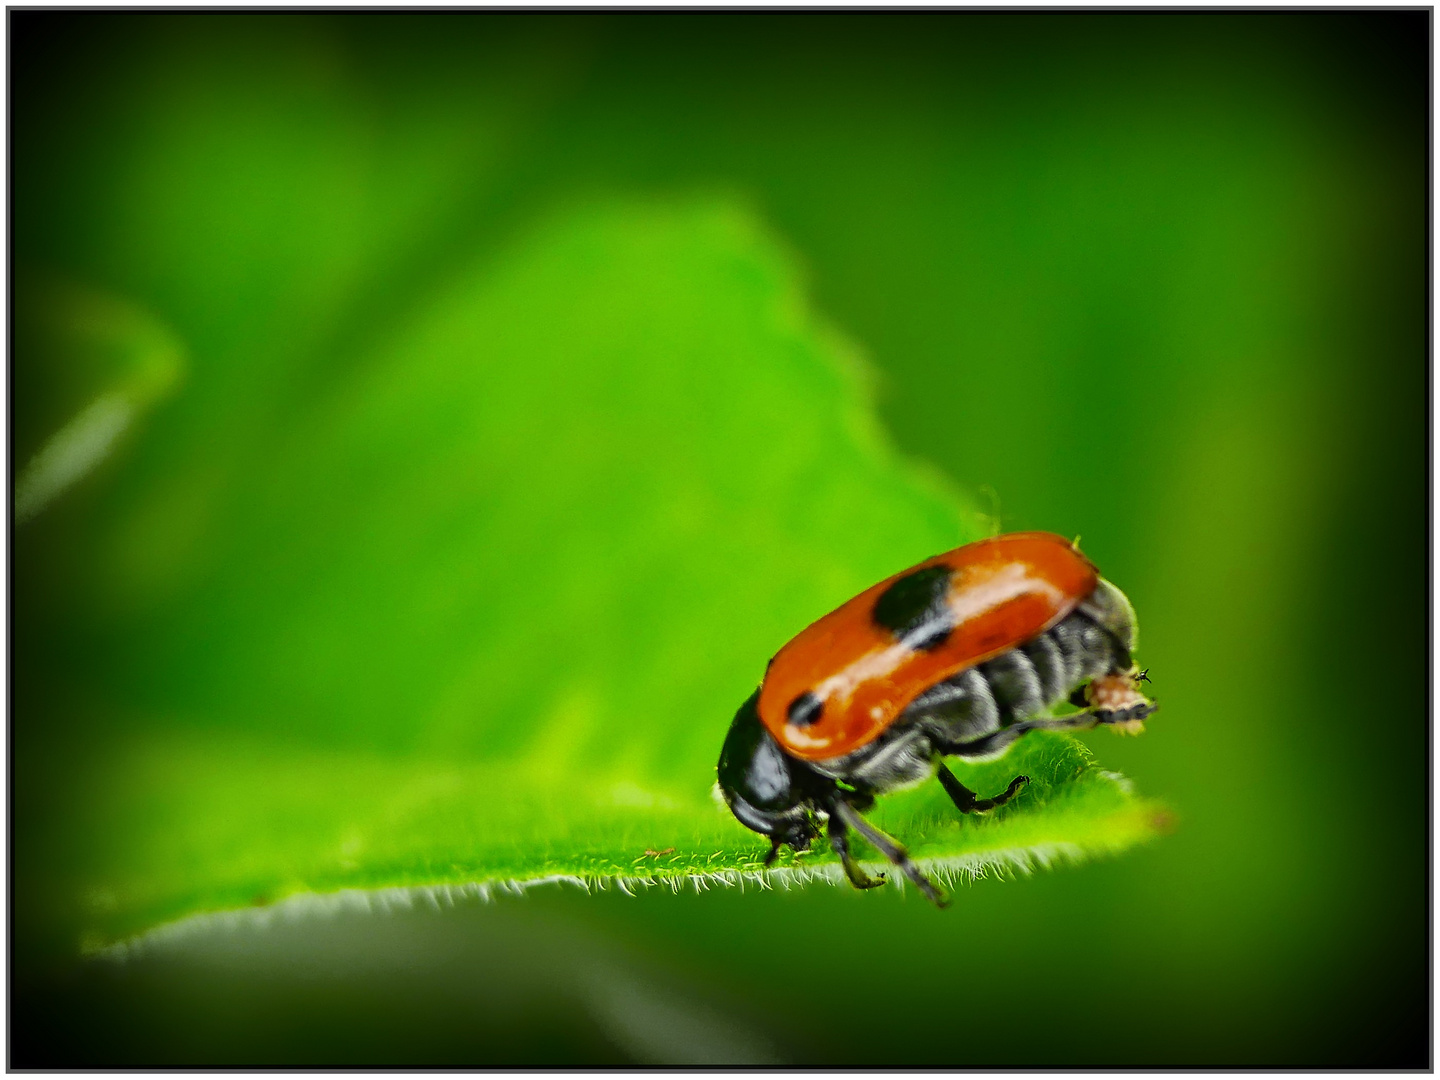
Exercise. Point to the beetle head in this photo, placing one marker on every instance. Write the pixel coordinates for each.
(767, 790)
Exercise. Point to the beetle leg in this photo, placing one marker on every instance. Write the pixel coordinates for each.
(994, 743)
(1127, 721)
(774, 853)
(860, 799)
(965, 800)
(890, 848)
(840, 841)
(1127, 718)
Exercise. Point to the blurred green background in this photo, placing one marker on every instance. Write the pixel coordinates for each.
(1158, 279)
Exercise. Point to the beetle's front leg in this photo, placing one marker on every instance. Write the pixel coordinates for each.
(774, 854)
(887, 846)
(840, 841)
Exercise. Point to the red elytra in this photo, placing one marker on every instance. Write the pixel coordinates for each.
(1003, 592)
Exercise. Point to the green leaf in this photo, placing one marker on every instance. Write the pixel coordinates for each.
(481, 613)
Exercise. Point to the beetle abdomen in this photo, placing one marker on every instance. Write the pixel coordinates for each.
(1016, 685)
(1019, 683)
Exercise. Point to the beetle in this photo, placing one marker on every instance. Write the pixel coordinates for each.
(958, 656)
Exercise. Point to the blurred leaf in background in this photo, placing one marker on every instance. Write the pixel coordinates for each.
(1155, 278)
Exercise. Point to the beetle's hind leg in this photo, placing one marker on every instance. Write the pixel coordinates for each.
(997, 741)
(889, 847)
(994, 743)
(966, 800)
(840, 841)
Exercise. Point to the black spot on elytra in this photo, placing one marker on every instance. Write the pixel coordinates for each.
(915, 610)
(804, 710)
